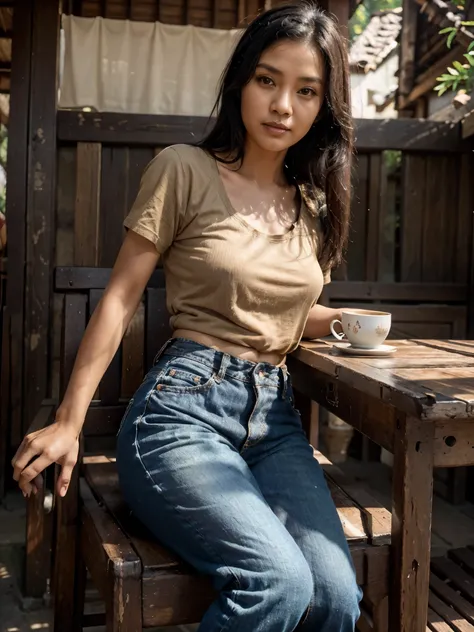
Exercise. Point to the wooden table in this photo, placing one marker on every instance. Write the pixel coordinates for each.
(419, 405)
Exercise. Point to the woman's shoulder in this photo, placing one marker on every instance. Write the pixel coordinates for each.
(181, 158)
(184, 154)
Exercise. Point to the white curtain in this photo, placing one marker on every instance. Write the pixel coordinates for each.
(142, 67)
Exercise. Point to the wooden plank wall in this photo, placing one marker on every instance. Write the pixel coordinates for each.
(222, 14)
(410, 222)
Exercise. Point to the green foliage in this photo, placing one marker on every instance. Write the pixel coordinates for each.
(365, 10)
(458, 76)
(393, 159)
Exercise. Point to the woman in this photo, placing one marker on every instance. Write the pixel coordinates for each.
(211, 453)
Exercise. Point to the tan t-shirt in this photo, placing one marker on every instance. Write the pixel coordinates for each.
(224, 278)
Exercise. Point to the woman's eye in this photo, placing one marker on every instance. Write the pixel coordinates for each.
(307, 92)
(266, 81)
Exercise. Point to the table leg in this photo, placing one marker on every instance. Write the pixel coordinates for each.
(412, 497)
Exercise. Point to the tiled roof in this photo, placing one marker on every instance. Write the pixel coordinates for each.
(377, 40)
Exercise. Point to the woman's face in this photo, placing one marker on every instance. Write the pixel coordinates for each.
(283, 98)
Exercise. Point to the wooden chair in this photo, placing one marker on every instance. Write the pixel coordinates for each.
(142, 583)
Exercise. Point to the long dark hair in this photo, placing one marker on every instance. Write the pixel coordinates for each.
(321, 161)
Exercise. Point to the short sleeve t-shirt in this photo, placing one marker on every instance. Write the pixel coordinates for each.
(224, 278)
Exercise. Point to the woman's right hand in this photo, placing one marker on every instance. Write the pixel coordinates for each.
(57, 443)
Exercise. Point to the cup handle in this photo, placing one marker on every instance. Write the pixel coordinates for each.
(339, 336)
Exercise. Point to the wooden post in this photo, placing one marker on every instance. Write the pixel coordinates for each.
(41, 204)
(407, 54)
(341, 10)
(17, 162)
(412, 495)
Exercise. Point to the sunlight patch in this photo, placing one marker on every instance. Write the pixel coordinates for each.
(4, 574)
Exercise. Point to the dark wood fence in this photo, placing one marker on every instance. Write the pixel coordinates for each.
(411, 240)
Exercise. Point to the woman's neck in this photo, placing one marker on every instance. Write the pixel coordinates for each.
(263, 167)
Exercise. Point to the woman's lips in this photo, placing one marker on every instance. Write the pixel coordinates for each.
(275, 129)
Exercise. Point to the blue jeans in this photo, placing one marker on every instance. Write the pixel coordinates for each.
(213, 459)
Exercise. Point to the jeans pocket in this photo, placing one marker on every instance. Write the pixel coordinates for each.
(185, 375)
(127, 410)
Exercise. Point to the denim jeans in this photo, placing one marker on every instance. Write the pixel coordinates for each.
(213, 459)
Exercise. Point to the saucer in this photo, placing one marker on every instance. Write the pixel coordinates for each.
(380, 351)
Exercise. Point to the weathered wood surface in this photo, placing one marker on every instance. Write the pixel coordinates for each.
(412, 494)
(131, 129)
(412, 135)
(412, 393)
(40, 202)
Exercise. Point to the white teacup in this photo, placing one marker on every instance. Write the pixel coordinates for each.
(363, 328)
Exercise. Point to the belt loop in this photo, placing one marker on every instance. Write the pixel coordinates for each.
(167, 344)
(223, 368)
(284, 375)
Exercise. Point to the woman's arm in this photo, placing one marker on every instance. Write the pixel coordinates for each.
(319, 320)
(59, 442)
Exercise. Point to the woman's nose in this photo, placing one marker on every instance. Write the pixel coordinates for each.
(282, 103)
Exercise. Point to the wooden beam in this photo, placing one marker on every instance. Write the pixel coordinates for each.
(241, 11)
(6, 34)
(186, 12)
(161, 130)
(67, 279)
(215, 14)
(41, 204)
(420, 292)
(130, 129)
(407, 51)
(340, 9)
(408, 135)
